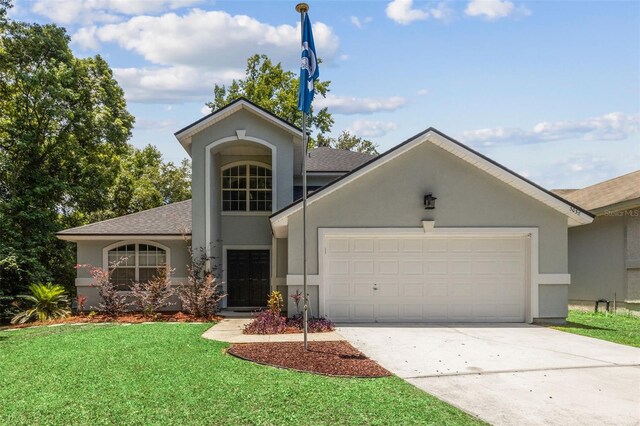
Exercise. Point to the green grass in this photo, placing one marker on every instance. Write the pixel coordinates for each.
(167, 374)
(618, 328)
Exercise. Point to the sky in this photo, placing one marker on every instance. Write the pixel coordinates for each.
(550, 89)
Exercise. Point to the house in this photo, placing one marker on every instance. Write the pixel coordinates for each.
(428, 231)
(604, 257)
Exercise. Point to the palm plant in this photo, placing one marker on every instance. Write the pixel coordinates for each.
(49, 302)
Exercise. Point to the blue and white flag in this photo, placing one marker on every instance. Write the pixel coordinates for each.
(308, 69)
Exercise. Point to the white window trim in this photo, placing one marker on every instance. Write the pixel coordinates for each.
(105, 253)
(247, 189)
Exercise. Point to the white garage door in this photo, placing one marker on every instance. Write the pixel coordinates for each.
(424, 279)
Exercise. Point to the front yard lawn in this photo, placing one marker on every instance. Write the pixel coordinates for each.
(165, 373)
(618, 328)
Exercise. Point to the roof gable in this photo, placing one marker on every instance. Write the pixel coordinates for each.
(185, 134)
(575, 214)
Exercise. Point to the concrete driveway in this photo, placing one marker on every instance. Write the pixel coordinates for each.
(512, 374)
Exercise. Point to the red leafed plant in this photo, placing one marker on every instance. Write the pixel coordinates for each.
(202, 294)
(111, 302)
(81, 300)
(151, 296)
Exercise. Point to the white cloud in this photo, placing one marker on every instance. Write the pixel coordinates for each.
(612, 126)
(353, 105)
(370, 128)
(205, 110)
(212, 39)
(171, 84)
(403, 12)
(494, 9)
(422, 92)
(94, 11)
(358, 23)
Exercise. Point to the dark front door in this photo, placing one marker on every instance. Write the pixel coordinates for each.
(247, 277)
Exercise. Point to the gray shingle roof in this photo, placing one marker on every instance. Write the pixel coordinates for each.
(325, 159)
(613, 191)
(172, 219)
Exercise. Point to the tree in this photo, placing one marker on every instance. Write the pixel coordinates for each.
(275, 90)
(63, 127)
(350, 142)
(145, 181)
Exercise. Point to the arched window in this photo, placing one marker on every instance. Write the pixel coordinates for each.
(246, 188)
(135, 262)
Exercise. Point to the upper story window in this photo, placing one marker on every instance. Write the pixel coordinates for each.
(246, 188)
(135, 262)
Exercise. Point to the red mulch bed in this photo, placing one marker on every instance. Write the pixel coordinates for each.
(128, 318)
(327, 358)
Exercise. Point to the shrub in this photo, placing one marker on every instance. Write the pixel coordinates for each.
(202, 294)
(49, 302)
(266, 323)
(81, 300)
(274, 302)
(112, 302)
(315, 325)
(153, 295)
(297, 297)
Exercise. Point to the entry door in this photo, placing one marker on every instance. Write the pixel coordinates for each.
(425, 279)
(247, 278)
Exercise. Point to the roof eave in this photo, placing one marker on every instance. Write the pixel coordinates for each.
(185, 134)
(119, 236)
(575, 214)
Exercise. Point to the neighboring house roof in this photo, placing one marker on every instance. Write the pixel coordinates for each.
(563, 192)
(326, 159)
(575, 214)
(184, 135)
(614, 194)
(170, 220)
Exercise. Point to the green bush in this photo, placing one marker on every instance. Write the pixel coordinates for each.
(49, 302)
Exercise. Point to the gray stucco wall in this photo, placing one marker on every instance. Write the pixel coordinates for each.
(235, 230)
(392, 196)
(604, 258)
(91, 252)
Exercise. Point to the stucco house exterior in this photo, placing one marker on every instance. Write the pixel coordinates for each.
(429, 231)
(604, 257)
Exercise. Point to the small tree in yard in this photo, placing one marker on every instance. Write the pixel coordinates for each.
(111, 303)
(202, 294)
(153, 295)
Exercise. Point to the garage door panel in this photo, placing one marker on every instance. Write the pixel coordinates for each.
(412, 289)
(387, 267)
(363, 267)
(430, 278)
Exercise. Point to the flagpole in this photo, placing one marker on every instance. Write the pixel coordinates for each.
(303, 8)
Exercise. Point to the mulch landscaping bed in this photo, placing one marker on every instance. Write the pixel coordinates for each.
(128, 318)
(327, 358)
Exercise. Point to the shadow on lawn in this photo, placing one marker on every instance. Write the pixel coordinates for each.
(570, 324)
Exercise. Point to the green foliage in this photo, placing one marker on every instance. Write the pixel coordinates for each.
(145, 181)
(49, 302)
(167, 374)
(350, 142)
(618, 328)
(63, 127)
(275, 90)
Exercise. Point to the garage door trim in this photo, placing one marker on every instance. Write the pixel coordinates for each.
(531, 279)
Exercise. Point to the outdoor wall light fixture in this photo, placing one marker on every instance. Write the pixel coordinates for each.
(429, 201)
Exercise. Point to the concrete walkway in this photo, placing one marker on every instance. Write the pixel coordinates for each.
(230, 330)
(514, 374)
